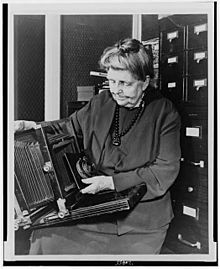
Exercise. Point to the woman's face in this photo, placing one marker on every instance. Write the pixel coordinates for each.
(125, 89)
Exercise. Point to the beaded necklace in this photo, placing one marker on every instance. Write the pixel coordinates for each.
(116, 139)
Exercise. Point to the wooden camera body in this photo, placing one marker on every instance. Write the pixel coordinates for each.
(49, 165)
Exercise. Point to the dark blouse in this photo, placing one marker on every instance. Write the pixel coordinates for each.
(149, 153)
(109, 154)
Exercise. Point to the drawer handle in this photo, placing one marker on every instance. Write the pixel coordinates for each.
(190, 189)
(201, 163)
(197, 244)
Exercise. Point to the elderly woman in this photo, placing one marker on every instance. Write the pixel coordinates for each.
(131, 134)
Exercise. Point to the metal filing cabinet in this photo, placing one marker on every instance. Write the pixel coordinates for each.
(172, 39)
(184, 80)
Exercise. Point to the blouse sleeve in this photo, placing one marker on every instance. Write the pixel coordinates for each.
(76, 122)
(162, 172)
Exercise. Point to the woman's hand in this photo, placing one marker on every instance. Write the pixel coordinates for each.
(97, 184)
(22, 125)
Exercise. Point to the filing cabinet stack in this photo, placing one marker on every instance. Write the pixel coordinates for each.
(184, 80)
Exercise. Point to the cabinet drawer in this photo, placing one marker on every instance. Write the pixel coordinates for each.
(190, 189)
(196, 129)
(171, 65)
(197, 62)
(186, 237)
(189, 112)
(194, 137)
(190, 185)
(173, 40)
(197, 90)
(197, 212)
(197, 35)
(193, 212)
(191, 176)
(195, 164)
(172, 88)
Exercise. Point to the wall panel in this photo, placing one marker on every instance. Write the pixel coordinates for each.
(83, 39)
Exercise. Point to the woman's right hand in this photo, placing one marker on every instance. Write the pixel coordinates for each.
(22, 125)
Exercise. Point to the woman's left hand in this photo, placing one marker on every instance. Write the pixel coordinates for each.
(22, 125)
(98, 183)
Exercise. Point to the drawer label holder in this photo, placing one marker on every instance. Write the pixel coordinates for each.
(191, 211)
(171, 85)
(199, 56)
(172, 60)
(194, 131)
(172, 35)
(199, 83)
(200, 28)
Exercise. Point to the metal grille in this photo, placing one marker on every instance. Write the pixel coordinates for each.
(83, 39)
(29, 58)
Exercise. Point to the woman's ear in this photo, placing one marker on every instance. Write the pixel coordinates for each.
(146, 82)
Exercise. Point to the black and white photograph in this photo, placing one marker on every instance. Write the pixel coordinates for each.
(110, 146)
